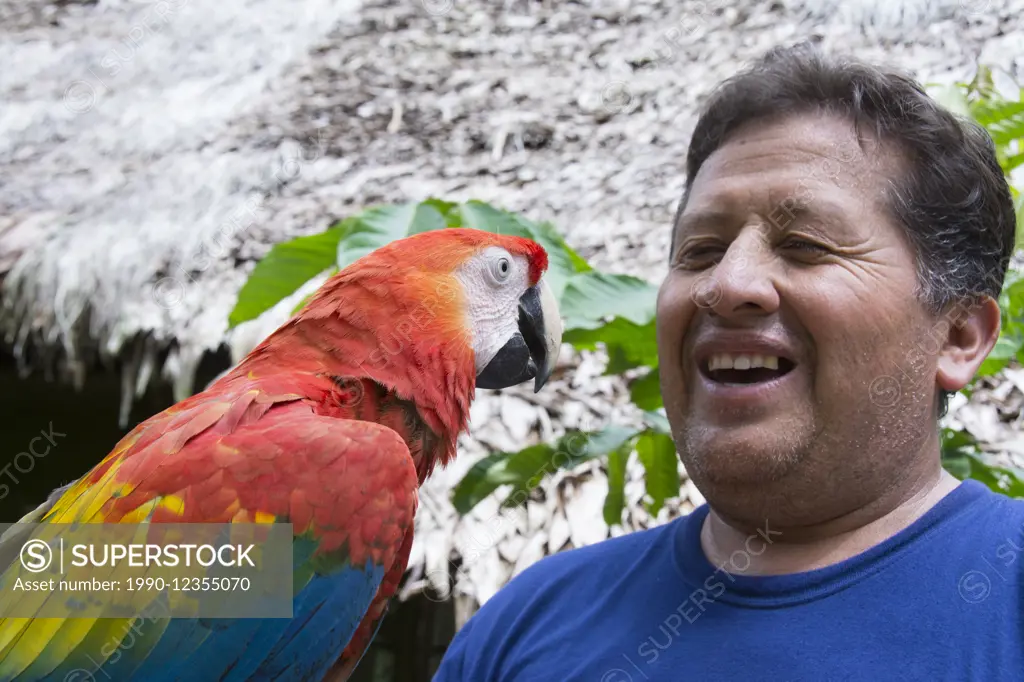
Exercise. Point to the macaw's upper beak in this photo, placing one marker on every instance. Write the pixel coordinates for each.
(532, 351)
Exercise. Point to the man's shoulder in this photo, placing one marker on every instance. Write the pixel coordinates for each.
(998, 505)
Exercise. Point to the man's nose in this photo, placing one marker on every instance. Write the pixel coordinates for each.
(742, 283)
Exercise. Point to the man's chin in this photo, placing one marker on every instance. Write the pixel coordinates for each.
(736, 459)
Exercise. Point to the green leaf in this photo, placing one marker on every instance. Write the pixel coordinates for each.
(1010, 163)
(479, 482)
(1011, 298)
(1004, 480)
(446, 208)
(480, 215)
(645, 392)
(955, 448)
(1010, 343)
(1013, 309)
(382, 225)
(1004, 120)
(657, 453)
(983, 83)
(548, 236)
(572, 450)
(954, 440)
(591, 297)
(629, 345)
(1020, 214)
(616, 500)
(526, 468)
(656, 419)
(285, 268)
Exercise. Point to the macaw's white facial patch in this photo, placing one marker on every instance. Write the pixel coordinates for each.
(493, 280)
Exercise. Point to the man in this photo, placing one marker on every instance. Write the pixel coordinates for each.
(834, 266)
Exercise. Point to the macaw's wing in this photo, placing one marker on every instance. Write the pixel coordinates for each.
(348, 487)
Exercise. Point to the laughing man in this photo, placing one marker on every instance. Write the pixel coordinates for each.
(834, 267)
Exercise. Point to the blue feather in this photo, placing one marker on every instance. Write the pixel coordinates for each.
(326, 614)
(330, 611)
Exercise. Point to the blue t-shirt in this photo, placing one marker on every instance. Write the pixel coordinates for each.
(941, 600)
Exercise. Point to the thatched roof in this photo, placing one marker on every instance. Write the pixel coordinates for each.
(148, 162)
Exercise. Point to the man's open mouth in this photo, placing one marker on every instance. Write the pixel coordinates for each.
(725, 368)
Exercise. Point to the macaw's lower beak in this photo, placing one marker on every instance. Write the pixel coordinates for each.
(532, 351)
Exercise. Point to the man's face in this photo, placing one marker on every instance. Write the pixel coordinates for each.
(786, 257)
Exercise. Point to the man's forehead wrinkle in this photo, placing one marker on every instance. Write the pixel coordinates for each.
(743, 194)
(743, 158)
(825, 145)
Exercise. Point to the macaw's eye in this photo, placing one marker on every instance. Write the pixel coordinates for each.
(501, 268)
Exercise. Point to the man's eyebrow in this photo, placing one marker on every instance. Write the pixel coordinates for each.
(689, 222)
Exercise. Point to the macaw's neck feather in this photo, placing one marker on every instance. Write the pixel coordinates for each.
(404, 330)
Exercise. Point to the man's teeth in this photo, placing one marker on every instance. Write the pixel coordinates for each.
(726, 361)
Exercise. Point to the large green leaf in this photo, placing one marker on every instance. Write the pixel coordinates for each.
(657, 453)
(1004, 480)
(645, 392)
(629, 337)
(629, 345)
(1004, 120)
(955, 448)
(526, 468)
(1014, 295)
(585, 446)
(284, 270)
(1019, 207)
(1010, 343)
(446, 208)
(480, 215)
(656, 419)
(547, 234)
(616, 499)
(591, 297)
(381, 225)
(1011, 162)
(486, 476)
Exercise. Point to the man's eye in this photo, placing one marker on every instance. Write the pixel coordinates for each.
(804, 245)
(701, 251)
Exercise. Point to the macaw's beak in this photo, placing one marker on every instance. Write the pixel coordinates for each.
(532, 351)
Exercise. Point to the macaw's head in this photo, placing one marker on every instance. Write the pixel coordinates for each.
(454, 300)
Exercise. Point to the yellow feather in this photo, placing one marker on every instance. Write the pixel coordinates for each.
(22, 651)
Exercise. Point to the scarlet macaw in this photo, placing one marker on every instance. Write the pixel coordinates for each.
(330, 424)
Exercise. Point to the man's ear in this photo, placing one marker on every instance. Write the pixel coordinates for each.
(967, 343)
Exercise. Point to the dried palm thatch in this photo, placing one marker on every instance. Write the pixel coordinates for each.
(151, 153)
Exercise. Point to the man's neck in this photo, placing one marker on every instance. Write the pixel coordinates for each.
(777, 550)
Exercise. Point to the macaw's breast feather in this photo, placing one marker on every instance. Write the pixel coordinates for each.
(251, 452)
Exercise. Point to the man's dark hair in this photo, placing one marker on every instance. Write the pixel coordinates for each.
(952, 200)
